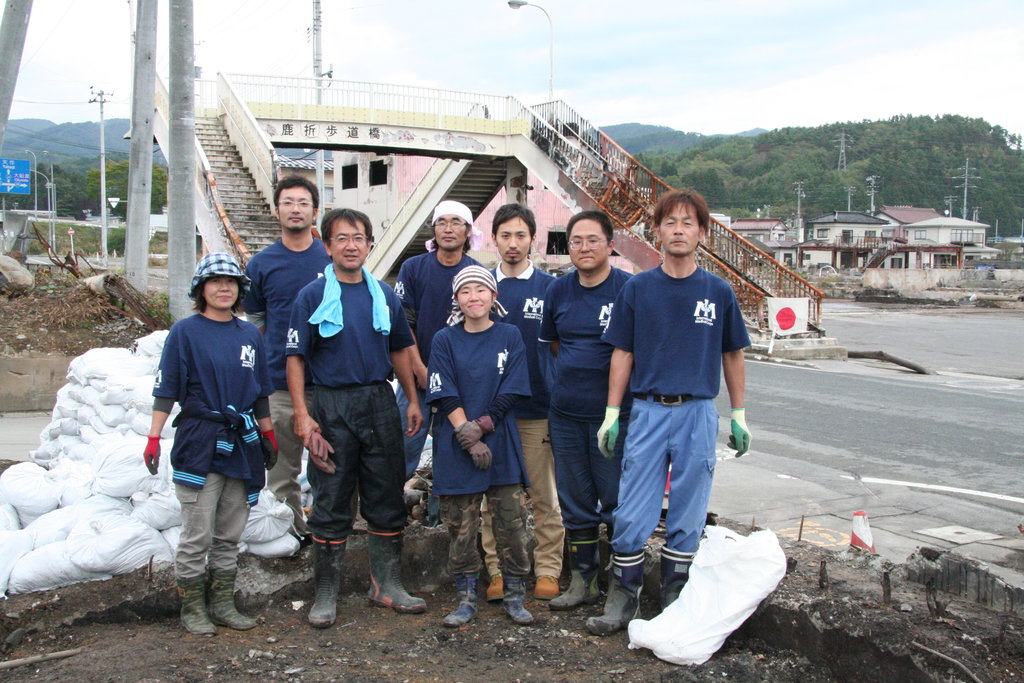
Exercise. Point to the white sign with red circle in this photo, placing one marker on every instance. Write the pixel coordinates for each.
(788, 316)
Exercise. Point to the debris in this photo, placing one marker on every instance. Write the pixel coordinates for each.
(15, 663)
(947, 658)
(882, 355)
(822, 575)
(886, 588)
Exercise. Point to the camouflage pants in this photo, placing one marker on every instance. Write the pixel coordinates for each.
(461, 513)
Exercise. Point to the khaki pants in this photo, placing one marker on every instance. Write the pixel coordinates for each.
(547, 515)
(283, 480)
(212, 521)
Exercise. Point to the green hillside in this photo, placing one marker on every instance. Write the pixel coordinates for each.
(917, 158)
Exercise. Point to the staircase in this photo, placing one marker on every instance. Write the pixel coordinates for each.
(247, 211)
(878, 256)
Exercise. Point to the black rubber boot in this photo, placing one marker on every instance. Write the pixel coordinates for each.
(327, 559)
(583, 588)
(194, 617)
(465, 588)
(222, 601)
(386, 587)
(675, 571)
(515, 593)
(623, 603)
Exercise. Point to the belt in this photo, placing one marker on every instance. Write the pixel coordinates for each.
(665, 400)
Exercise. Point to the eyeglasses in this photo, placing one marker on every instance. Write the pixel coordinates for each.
(591, 243)
(358, 239)
(449, 224)
(288, 203)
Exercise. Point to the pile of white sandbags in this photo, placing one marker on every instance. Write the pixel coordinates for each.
(86, 508)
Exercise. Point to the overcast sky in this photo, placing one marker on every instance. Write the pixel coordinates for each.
(711, 67)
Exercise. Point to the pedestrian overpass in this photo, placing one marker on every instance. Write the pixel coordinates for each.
(480, 144)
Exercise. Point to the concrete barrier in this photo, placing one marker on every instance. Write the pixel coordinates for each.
(31, 383)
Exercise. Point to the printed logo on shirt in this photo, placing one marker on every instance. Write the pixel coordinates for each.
(605, 316)
(400, 289)
(502, 359)
(293, 339)
(434, 385)
(704, 313)
(533, 308)
(159, 378)
(248, 357)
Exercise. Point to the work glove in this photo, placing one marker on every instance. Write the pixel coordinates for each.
(740, 436)
(151, 455)
(481, 455)
(608, 433)
(470, 432)
(269, 444)
(319, 448)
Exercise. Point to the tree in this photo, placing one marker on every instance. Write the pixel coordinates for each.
(117, 186)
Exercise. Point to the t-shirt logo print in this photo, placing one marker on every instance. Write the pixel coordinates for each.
(704, 313)
(435, 383)
(400, 289)
(605, 316)
(248, 357)
(502, 359)
(293, 339)
(533, 308)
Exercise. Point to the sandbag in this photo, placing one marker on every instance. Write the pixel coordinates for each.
(9, 520)
(83, 394)
(30, 489)
(55, 525)
(67, 426)
(730, 576)
(286, 546)
(48, 451)
(172, 535)
(80, 452)
(160, 510)
(140, 422)
(74, 475)
(152, 345)
(13, 546)
(120, 389)
(100, 363)
(119, 470)
(269, 519)
(65, 405)
(46, 568)
(115, 544)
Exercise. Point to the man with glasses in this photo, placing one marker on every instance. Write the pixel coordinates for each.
(278, 273)
(348, 329)
(425, 286)
(576, 313)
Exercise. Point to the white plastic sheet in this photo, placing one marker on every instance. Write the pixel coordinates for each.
(730, 576)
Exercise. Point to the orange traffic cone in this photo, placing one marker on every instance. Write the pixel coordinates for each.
(860, 534)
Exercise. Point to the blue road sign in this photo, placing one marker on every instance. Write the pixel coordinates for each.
(15, 176)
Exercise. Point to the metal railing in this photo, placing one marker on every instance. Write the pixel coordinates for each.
(252, 142)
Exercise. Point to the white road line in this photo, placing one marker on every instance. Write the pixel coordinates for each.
(936, 487)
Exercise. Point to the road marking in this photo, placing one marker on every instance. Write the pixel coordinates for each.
(936, 487)
(816, 534)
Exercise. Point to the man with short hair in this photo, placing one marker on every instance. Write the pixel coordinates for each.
(576, 313)
(349, 330)
(521, 290)
(278, 273)
(676, 330)
(425, 287)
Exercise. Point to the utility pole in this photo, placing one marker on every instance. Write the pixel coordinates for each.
(948, 201)
(12, 44)
(850, 189)
(844, 140)
(318, 74)
(966, 179)
(798, 186)
(140, 166)
(872, 181)
(101, 97)
(975, 211)
(181, 219)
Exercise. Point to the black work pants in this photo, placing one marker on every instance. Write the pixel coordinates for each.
(362, 425)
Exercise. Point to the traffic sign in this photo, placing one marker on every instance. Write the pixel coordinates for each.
(15, 176)
(71, 231)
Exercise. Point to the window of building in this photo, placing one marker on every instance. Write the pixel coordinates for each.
(920, 234)
(378, 173)
(349, 177)
(558, 245)
(847, 236)
(961, 235)
(871, 233)
(822, 233)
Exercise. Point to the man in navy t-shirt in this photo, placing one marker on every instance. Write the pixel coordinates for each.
(278, 273)
(521, 290)
(576, 313)
(675, 329)
(349, 330)
(425, 287)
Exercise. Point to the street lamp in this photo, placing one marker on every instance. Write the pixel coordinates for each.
(516, 4)
(51, 200)
(35, 189)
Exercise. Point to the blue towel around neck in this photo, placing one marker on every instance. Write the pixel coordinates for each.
(328, 315)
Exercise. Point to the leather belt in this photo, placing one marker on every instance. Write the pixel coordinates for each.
(665, 400)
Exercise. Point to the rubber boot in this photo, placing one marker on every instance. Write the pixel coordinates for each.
(327, 557)
(465, 588)
(623, 603)
(675, 571)
(515, 592)
(193, 606)
(386, 587)
(583, 588)
(222, 602)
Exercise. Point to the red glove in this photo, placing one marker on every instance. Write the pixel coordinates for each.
(269, 444)
(152, 453)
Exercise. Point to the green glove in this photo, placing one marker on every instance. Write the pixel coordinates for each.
(740, 437)
(608, 432)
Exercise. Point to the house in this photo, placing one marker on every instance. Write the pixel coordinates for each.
(899, 216)
(969, 235)
(841, 239)
(761, 228)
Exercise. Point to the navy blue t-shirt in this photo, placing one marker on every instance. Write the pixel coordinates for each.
(475, 368)
(575, 316)
(677, 330)
(357, 354)
(277, 275)
(425, 287)
(524, 301)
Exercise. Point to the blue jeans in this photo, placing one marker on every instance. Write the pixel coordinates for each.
(414, 443)
(588, 483)
(684, 436)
